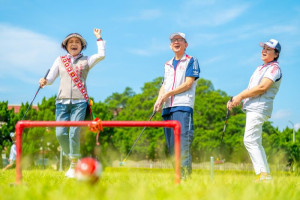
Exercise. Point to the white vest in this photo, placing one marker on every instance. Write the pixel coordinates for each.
(173, 79)
(67, 88)
(264, 103)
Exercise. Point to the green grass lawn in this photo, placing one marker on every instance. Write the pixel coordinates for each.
(126, 183)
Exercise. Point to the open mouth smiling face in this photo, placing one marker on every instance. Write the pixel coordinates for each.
(267, 54)
(74, 46)
(178, 44)
(264, 54)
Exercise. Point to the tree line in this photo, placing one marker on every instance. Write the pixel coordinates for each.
(209, 116)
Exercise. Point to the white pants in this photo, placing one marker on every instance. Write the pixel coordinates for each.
(253, 141)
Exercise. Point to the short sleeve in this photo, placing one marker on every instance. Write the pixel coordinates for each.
(193, 69)
(273, 73)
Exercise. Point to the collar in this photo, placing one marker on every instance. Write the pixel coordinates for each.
(75, 57)
(183, 58)
(269, 63)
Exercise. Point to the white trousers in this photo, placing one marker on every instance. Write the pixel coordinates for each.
(253, 141)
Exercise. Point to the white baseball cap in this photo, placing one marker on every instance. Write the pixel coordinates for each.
(271, 43)
(177, 33)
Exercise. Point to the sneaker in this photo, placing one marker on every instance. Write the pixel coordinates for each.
(70, 173)
(264, 178)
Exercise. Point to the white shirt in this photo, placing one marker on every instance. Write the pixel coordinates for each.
(92, 61)
(264, 103)
(13, 153)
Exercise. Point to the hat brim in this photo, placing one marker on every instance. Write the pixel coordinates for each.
(262, 44)
(83, 42)
(179, 34)
(173, 35)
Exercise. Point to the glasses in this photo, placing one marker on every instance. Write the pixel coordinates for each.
(177, 39)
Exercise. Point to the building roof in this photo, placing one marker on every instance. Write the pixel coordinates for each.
(17, 108)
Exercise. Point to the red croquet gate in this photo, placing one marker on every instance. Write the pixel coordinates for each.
(27, 124)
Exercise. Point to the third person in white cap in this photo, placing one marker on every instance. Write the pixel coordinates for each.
(258, 105)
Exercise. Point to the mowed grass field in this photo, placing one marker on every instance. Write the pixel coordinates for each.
(128, 183)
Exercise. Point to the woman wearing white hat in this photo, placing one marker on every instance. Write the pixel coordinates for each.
(258, 104)
(72, 97)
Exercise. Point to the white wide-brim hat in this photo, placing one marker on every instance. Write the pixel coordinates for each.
(83, 42)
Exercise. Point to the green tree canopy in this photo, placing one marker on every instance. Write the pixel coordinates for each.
(209, 117)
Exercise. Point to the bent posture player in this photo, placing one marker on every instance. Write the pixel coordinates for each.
(258, 104)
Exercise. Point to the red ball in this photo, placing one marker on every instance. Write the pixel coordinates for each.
(88, 169)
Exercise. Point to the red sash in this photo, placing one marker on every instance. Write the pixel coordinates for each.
(76, 80)
(74, 77)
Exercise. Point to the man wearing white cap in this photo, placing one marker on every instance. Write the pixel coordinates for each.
(258, 104)
(13, 153)
(177, 95)
(72, 98)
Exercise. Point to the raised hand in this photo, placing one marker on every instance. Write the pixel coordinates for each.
(97, 33)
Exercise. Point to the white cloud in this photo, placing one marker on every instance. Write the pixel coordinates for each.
(25, 51)
(280, 29)
(210, 13)
(281, 114)
(155, 47)
(145, 15)
(200, 3)
(228, 15)
(244, 33)
(211, 60)
(199, 39)
(140, 52)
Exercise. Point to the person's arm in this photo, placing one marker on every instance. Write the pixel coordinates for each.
(53, 74)
(157, 105)
(94, 59)
(264, 85)
(180, 89)
(163, 96)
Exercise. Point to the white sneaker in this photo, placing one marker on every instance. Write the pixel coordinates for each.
(70, 173)
(264, 178)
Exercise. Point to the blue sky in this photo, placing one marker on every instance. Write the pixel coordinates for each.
(223, 35)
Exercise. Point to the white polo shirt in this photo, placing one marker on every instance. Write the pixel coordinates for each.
(264, 103)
